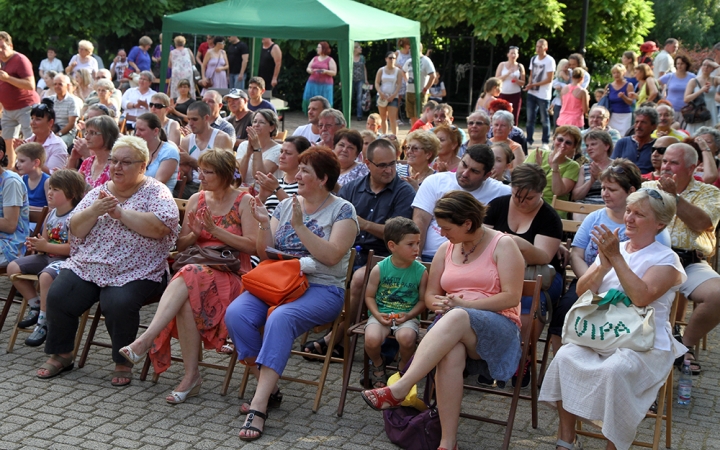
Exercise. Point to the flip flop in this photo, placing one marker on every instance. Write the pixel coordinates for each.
(53, 371)
(127, 375)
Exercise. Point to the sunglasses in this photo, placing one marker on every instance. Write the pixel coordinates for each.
(156, 105)
(653, 193)
(512, 47)
(660, 150)
(40, 106)
(617, 169)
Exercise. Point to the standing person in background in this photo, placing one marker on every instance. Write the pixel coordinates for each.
(49, 63)
(17, 94)
(203, 48)
(576, 60)
(181, 62)
(647, 87)
(322, 69)
(646, 52)
(542, 69)
(215, 65)
(157, 59)
(388, 82)
(620, 100)
(562, 79)
(703, 85)
(139, 58)
(675, 84)
(575, 101)
(237, 53)
(359, 79)
(402, 55)
(270, 63)
(437, 91)
(664, 61)
(630, 61)
(512, 75)
(426, 79)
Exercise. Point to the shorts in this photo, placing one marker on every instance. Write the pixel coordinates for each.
(37, 264)
(697, 274)
(15, 120)
(393, 104)
(410, 103)
(413, 324)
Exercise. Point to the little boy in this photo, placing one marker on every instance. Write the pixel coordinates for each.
(67, 188)
(29, 162)
(395, 296)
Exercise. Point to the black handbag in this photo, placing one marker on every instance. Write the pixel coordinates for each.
(696, 111)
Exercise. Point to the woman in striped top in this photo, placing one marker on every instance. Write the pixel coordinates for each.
(274, 190)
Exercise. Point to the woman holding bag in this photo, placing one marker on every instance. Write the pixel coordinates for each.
(705, 86)
(319, 228)
(649, 273)
(193, 305)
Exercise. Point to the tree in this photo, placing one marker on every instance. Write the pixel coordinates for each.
(693, 22)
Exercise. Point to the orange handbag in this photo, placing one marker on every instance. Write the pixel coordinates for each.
(276, 282)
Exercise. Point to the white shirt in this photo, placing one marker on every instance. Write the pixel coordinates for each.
(426, 69)
(55, 65)
(306, 131)
(434, 187)
(540, 69)
(132, 95)
(664, 63)
(272, 154)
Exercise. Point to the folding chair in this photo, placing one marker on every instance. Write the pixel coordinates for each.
(664, 403)
(529, 352)
(574, 207)
(37, 216)
(327, 358)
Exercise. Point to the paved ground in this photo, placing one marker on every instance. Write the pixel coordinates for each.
(80, 409)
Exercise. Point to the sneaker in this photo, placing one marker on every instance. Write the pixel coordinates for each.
(30, 319)
(525, 379)
(485, 381)
(37, 337)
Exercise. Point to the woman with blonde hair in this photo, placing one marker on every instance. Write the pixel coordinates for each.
(630, 62)
(159, 105)
(83, 59)
(181, 62)
(450, 139)
(84, 80)
(422, 148)
(620, 98)
(490, 92)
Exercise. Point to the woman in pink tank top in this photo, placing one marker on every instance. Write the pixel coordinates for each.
(574, 101)
(478, 294)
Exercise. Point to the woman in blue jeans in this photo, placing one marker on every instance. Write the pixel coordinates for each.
(359, 78)
(319, 228)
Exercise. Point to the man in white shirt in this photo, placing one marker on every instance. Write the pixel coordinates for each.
(427, 78)
(664, 61)
(49, 63)
(311, 131)
(539, 90)
(66, 109)
(473, 175)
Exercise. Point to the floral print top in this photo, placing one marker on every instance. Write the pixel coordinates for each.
(86, 171)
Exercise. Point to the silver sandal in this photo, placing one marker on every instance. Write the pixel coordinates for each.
(574, 446)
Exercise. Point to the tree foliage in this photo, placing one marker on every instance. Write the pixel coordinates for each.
(693, 22)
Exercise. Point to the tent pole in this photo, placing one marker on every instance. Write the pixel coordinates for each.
(345, 50)
(257, 48)
(167, 36)
(417, 75)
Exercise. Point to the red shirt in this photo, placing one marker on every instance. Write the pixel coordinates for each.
(202, 50)
(11, 97)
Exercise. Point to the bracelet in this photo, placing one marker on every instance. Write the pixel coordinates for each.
(261, 227)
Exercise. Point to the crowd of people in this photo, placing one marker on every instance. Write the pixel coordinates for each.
(107, 154)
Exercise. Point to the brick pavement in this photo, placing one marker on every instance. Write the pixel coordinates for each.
(80, 409)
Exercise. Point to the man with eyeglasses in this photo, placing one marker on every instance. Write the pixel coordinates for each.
(598, 119)
(666, 117)
(17, 94)
(473, 175)
(478, 126)
(214, 100)
(330, 121)
(638, 148)
(693, 239)
(659, 147)
(311, 130)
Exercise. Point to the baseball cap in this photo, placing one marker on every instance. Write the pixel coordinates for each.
(237, 93)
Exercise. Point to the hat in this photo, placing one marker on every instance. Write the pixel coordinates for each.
(649, 46)
(237, 93)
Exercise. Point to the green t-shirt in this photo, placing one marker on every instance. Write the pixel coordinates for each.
(398, 289)
(569, 169)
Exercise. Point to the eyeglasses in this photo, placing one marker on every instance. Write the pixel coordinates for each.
(206, 172)
(383, 166)
(124, 164)
(660, 150)
(653, 193)
(157, 105)
(413, 149)
(92, 133)
(472, 123)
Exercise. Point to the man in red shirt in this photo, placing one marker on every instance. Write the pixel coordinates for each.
(203, 48)
(17, 94)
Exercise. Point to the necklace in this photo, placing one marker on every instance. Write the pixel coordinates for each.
(467, 255)
(156, 149)
(307, 215)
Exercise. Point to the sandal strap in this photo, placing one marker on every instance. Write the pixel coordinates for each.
(564, 444)
(254, 413)
(64, 361)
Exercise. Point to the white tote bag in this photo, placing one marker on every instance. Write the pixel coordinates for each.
(609, 321)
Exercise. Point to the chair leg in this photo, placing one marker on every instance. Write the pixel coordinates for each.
(90, 337)
(16, 329)
(544, 361)
(244, 382)
(229, 372)
(659, 416)
(669, 412)
(347, 373)
(8, 304)
(145, 369)
(534, 385)
(326, 367)
(81, 330)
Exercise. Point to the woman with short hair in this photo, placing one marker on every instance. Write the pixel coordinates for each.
(501, 126)
(179, 105)
(347, 145)
(139, 58)
(260, 153)
(588, 189)
(559, 166)
(101, 134)
(105, 89)
(447, 159)
(274, 190)
(83, 59)
(181, 62)
(422, 148)
(121, 234)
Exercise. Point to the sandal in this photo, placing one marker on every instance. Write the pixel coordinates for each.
(377, 381)
(127, 375)
(695, 368)
(273, 402)
(316, 347)
(382, 397)
(53, 371)
(226, 349)
(248, 425)
(574, 446)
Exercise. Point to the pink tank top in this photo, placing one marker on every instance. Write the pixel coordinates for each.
(571, 112)
(477, 280)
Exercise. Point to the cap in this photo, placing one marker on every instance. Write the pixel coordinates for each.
(237, 93)
(649, 46)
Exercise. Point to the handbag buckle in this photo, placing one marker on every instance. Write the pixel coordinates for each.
(226, 254)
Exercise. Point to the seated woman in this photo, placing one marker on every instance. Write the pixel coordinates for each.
(14, 214)
(478, 294)
(516, 133)
(260, 152)
(502, 125)
(164, 156)
(534, 226)
(159, 104)
(588, 188)
(347, 145)
(193, 306)
(105, 89)
(121, 234)
(320, 229)
(42, 119)
(274, 190)
(84, 80)
(560, 168)
(447, 159)
(101, 133)
(179, 105)
(422, 148)
(650, 274)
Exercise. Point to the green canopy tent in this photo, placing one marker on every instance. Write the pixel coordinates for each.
(343, 21)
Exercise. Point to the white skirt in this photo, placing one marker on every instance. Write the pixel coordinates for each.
(621, 122)
(616, 388)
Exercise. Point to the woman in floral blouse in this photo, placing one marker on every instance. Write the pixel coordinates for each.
(120, 237)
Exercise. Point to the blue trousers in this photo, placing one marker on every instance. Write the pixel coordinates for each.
(247, 314)
(533, 104)
(237, 82)
(358, 91)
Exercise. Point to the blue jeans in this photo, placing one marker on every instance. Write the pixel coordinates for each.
(533, 104)
(236, 82)
(357, 90)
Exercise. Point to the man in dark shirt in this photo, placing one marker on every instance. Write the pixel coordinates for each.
(638, 148)
(237, 52)
(256, 87)
(237, 101)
